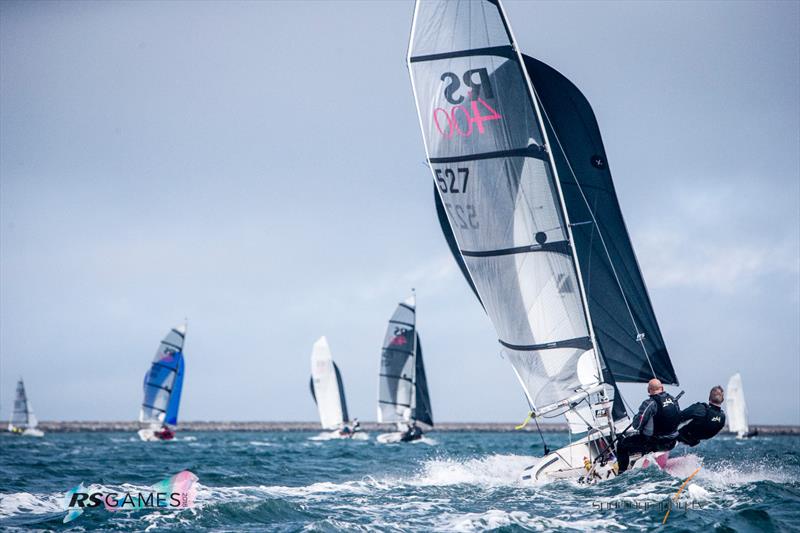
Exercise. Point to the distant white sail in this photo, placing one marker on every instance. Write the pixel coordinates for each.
(735, 406)
(22, 417)
(327, 387)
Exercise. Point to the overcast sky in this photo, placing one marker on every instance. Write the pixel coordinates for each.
(258, 168)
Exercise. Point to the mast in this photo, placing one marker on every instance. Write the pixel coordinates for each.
(412, 411)
(554, 174)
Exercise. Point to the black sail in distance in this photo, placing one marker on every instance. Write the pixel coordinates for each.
(620, 310)
(422, 405)
(487, 152)
(342, 400)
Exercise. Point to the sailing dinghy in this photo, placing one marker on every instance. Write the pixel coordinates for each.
(23, 421)
(403, 396)
(736, 409)
(327, 389)
(163, 383)
(525, 199)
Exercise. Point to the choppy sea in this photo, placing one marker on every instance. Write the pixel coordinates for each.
(280, 481)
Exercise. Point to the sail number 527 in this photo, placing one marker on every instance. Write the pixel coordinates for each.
(448, 181)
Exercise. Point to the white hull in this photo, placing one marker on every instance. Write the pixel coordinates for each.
(30, 432)
(397, 436)
(338, 435)
(389, 438)
(571, 461)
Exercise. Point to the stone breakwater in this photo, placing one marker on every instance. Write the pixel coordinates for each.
(89, 426)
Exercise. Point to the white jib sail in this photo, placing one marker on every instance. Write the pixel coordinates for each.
(326, 386)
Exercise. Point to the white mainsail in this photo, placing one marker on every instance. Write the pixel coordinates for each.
(485, 144)
(326, 386)
(735, 407)
(23, 416)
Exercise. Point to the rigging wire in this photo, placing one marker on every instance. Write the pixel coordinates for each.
(639, 334)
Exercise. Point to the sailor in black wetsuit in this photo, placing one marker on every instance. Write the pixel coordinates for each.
(412, 433)
(656, 423)
(705, 419)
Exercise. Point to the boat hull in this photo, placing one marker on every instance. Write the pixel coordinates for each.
(153, 435)
(396, 436)
(587, 460)
(338, 435)
(29, 432)
(577, 461)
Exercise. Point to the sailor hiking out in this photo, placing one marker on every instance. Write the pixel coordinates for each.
(704, 419)
(656, 423)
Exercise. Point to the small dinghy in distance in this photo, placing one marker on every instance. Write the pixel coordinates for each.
(736, 409)
(403, 396)
(163, 383)
(23, 421)
(327, 390)
(526, 201)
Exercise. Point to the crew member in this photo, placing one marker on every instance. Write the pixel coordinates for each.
(656, 423)
(705, 419)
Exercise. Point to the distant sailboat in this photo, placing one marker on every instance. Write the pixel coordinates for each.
(736, 408)
(327, 390)
(162, 388)
(526, 201)
(23, 421)
(403, 396)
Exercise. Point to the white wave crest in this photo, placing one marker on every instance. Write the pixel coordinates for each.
(495, 519)
(17, 503)
(492, 470)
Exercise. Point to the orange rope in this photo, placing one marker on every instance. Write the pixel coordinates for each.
(679, 492)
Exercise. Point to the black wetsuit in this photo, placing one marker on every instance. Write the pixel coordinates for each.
(706, 420)
(412, 433)
(657, 426)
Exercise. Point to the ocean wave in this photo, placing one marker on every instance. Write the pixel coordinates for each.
(18, 503)
(492, 470)
(499, 519)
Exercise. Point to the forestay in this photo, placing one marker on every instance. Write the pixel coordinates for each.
(494, 176)
(22, 416)
(164, 380)
(327, 388)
